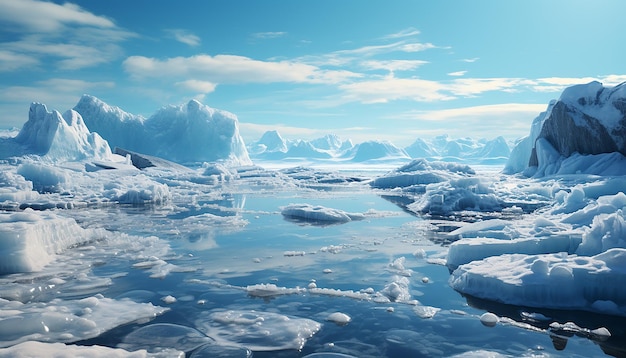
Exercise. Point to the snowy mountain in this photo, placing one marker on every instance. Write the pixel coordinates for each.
(460, 150)
(272, 146)
(376, 150)
(188, 133)
(55, 137)
(586, 121)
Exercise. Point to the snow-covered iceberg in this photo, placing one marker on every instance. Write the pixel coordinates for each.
(55, 137)
(188, 133)
(584, 127)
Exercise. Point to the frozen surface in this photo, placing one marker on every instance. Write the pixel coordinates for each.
(68, 321)
(259, 331)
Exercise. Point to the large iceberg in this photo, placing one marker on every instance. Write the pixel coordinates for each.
(587, 123)
(188, 133)
(55, 137)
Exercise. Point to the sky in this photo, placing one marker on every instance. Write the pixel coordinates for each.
(364, 70)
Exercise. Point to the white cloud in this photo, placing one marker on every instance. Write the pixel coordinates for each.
(183, 36)
(269, 35)
(231, 69)
(64, 37)
(197, 86)
(471, 60)
(408, 32)
(12, 60)
(41, 16)
(494, 110)
(416, 47)
(457, 73)
(391, 88)
(393, 65)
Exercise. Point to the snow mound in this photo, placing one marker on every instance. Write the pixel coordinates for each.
(29, 240)
(188, 133)
(587, 120)
(55, 137)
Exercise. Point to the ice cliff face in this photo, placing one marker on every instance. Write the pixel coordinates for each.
(58, 137)
(587, 119)
(188, 133)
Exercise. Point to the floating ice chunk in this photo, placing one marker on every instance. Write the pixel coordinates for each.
(40, 349)
(570, 328)
(318, 214)
(426, 311)
(552, 280)
(270, 289)
(489, 319)
(169, 299)
(398, 290)
(69, 321)
(30, 240)
(339, 318)
(164, 336)
(259, 331)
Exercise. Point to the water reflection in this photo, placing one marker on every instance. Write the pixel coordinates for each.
(561, 332)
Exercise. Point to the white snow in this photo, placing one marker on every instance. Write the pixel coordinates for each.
(57, 350)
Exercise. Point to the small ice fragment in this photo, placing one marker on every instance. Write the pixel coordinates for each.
(601, 333)
(489, 319)
(328, 271)
(293, 253)
(256, 260)
(419, 254)
(339, 318)
(425, 280)
(312, 285)
(390, 309)
(169, 299)
(426, 311)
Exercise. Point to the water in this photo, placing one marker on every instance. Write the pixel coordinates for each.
(222, 243)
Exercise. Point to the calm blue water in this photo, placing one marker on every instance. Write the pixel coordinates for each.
(248, 242)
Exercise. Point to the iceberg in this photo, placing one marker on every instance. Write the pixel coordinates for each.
(586, 120)
(55, 137)
(189, 133)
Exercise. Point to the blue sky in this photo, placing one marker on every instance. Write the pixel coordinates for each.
(385, 70)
